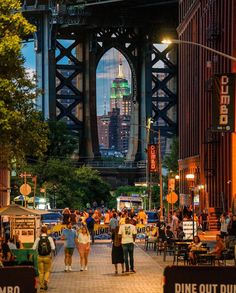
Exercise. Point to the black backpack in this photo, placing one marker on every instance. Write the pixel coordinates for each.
(44, 246)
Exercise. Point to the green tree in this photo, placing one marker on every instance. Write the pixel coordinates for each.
(62, 141)
(171, 161)
(128, 190)
(92, 186)
(23, 133)
(69, 186)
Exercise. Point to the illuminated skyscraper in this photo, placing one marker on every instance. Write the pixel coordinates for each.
(114, 127)
(120, 93)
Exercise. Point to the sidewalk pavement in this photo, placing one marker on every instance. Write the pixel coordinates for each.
(100, 276)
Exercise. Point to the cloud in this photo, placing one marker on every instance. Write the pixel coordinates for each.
(31, 73)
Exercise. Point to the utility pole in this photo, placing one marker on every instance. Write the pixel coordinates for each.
(34, 179)
(147, 164)
(160, 175)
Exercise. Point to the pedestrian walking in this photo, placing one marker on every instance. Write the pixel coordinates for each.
(174, 224)
(90, 225)
(113, 223)
(84, 247)
(224, 222)
(44, 245)
(128, 234)
(69, 235)
(117, 254)
(66, 216)
(73, 217)
(204, 219)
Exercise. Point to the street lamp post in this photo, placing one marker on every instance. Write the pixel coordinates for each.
(160, 175)
(148, 175)
(190, 178)
(147, 165)
(173, 41)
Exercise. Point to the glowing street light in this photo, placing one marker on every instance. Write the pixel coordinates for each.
(190, 177)
(173, 41)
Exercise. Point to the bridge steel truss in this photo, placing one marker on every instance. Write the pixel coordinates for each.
(69, 46)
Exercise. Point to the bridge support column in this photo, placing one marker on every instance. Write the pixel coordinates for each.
(89, 143)
(45, 67)
(145, 95)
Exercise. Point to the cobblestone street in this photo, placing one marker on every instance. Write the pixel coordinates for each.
(100, 276)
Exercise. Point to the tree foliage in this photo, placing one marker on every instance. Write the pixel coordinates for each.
(22, 130)
(69, 186)
(171, 161)
(62, 141)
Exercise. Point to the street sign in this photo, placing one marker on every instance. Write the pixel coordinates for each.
(172, 197)
(25, 189)
(199, 279)
(22, 175)
(13, 279)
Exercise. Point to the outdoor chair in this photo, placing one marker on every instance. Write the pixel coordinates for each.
(229, 252)
(169, 248)
(160, 245)
(150, 243)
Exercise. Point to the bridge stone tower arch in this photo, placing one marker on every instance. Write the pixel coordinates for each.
(69, 87)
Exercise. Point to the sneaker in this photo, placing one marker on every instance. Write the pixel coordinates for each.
(66, 268)
(70, 269)
(81, 269)
(86, 268)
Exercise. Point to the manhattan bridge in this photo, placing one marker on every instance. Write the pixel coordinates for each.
(71, 38)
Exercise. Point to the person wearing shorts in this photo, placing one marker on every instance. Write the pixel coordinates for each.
(84, 247)
(69, 235)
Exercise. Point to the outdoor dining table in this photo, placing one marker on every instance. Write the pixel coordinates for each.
(180, 251)
(205, 258)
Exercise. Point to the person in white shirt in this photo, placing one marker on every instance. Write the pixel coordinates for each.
(83, 247)
(44, 245)
(11, 244)
(128, 234)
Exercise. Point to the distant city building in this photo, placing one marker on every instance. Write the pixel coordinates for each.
(103, 130)
(114, 127)
(124, 133)
(120, 94)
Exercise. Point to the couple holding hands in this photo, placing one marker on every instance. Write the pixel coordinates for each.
(80, 241)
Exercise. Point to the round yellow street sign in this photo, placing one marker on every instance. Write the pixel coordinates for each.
(172, 197)
(25, 189)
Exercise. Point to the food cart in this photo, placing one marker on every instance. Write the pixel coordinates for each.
(24, 222)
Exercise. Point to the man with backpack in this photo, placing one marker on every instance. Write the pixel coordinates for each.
(44, 245)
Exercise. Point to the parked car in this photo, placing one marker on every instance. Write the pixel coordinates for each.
(51, 218)
(152, 217)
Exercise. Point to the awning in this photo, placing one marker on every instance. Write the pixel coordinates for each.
(17, 210)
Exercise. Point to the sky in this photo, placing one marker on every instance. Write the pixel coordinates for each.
(107, 70)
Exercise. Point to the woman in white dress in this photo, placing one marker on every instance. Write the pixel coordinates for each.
(84, 247)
